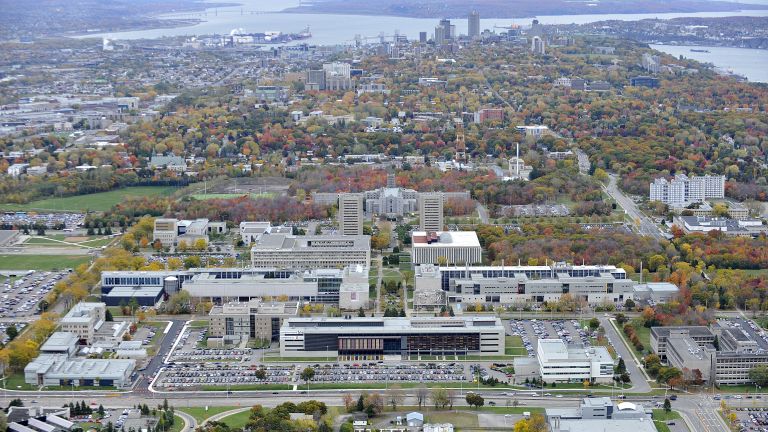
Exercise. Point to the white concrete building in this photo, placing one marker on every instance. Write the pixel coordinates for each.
(84, 319)
(683, 190)
(455, 247)
(311, 252)
(351, 214)
(573, 363)
(251, 232)
(431, 212)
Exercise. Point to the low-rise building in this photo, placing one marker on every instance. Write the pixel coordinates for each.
(525, 285)
(311, 252)
(237, 321)
(601, 414)
(374, 338)
(251, 232)
(84, 319)
(560, 362)
(693, 349)
(729, 227)
(58, 365)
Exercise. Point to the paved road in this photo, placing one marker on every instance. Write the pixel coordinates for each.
(483, 213)
(698, 410)
(639, 383)
(142, 384)
(644, 224)
(583, 159)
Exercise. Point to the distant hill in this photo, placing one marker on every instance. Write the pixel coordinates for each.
(23, 19)
(515, 8)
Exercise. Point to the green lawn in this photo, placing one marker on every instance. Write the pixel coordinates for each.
(237, 421)
(199, 324)
(200, 196)
(41, 262)
(178, 424)
(101, 201)
(514, 346)
(391, 275)
(200, 413)
(458, 419)
(16, 382)
(661, 417)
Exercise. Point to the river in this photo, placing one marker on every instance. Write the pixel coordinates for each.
(331, 29)
(752, 63)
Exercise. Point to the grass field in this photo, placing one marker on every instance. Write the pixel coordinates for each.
(231, 195)
(457, 419)
(101, 201)
(55, 241)
(200, 413)
(237, 421)
(661, 417)
(41, 262)
(514, 346)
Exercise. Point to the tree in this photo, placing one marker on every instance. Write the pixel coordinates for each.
(374, 404)
(261, 373)
(395, 397)
(108, 316)
(307, 374)
(3, 421)
(439, 397)
(361, 312)
(621, 367)
(594, 323)
(360, 403)
(759, 374)
(537, 423)
(474, 399)
(349, 402)
(12, 332)
(667, 405)
(421, 395)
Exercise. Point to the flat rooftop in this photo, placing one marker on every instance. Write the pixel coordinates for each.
(329, 242)
(446, 238)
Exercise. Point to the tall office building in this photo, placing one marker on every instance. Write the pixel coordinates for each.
(422, 37)
(431, 212)
(351, 213)
(538, 45)
(474, 25)
(439, 35)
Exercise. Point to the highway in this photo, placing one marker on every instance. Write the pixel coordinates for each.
(645, 225)
(698, 410)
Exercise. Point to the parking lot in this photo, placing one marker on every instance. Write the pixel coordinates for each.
(191, 348)
(50, 220)
(211, 374)
(752, 419)
(533, 210)
(20, 297)
(531, 330)
(378, 372)
(237, 374)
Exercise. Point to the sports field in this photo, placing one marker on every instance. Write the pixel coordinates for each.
(41, 262)
(101, 201)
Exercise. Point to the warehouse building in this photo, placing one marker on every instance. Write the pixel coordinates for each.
(601, 414)
(145, 296)
(57, 365)
(377, 338)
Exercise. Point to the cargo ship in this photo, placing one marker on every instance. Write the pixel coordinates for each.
(698, 50)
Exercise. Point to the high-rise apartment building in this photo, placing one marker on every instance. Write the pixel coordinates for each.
(683, 190)
(474, 25)
(431, 212)
(351, 213)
